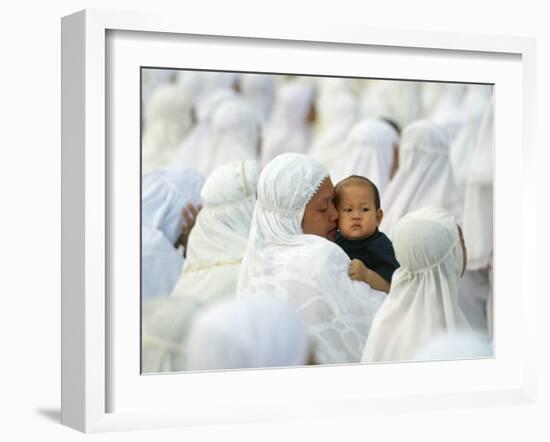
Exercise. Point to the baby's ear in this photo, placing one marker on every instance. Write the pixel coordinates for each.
(379, 216)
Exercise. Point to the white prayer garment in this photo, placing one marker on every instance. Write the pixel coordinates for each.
(164, 195)
(259, 91)
(168, 120)
(424, 176)
(288, 129)
(165, 323)
(235, 135)
(463, 146)
(423, 299)
(341, 113)
(218, 239)
(369, 152)
(306, 270)
(254, 333)
(475, 288)
(398, 101)
(161, 264)
(190, 152)
(462, 345)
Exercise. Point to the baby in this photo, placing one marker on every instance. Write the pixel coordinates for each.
(371, 252)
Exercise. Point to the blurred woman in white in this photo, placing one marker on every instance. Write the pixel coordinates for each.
(476, 292)
(423, 299)
(259, 91)
(290, 256)
(369, 151)
(462, 147)
(340, 111)
(397, 101)
(424, 176)
(255, 333)
(236, 135)
(165, 324)
(168, 120)
(289, 126)
(190, 150)
(165, 193)
(218, 239)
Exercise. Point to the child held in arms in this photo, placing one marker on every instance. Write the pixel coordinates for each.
(371, 252)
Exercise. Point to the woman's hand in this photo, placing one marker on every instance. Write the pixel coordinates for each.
(189, 215)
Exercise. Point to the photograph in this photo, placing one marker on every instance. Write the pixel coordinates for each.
(296, 220)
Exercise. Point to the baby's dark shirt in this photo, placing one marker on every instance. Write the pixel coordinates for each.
(376, 252)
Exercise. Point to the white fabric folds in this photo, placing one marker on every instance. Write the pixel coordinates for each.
(423, 299)
(368, 152)
(164, 194)
(218, 239)
(307, 271)
(288, 128)
(424, 177)
(247, 334)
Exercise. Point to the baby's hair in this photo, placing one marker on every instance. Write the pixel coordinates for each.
(360, 180)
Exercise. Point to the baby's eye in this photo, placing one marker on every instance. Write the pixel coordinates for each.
(347, 210)
(365, 209)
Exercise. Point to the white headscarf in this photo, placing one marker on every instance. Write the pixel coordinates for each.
(423, 299)
(461, 345)
(254, 333)
(476, 290)
(168, 120)
(341, 112)
(218, 239)
(193, 150)
(259, 91)
(369, 152)
(235, 136)
(308, 271)
(288, 129)
(164, 195)
(478, 205)
(424, 176)
(165, 323)
(161, 264)
(398, 101)
(462, 147)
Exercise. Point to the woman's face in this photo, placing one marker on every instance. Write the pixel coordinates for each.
(320, 215)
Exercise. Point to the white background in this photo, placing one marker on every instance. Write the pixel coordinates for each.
(30, 221)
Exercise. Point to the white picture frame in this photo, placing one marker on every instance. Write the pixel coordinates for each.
(92, 368)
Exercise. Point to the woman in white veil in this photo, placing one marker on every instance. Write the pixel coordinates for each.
(476, 290)
(235, 136)
(423, 299)
(259, 332)
(168, 120)
(288, 129)
(424, 176)
(190, 152)
(165, 193)
(369, 152)
(218, 239)
(289, 256)
(340, 112)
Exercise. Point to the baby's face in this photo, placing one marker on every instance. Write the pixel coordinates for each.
(358, 216)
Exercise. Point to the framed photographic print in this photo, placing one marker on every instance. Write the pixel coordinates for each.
(113, 64)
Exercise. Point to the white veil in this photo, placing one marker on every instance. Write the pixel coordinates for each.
(423, 299)
(218, 239)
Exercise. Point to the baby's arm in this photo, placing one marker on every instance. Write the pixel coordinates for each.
(360, 272)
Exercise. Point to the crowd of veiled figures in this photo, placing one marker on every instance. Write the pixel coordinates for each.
(295, 220)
